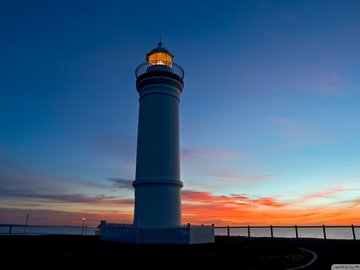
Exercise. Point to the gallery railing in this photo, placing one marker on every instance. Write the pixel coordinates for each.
(149, 67)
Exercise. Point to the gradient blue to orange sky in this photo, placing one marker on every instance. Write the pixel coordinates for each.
(270, 112)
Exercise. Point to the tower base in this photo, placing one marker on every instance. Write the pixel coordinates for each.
(127, 233)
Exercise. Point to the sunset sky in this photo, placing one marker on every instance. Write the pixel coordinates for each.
(269, 115)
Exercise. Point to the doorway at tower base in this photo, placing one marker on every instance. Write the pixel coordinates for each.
(127, 233)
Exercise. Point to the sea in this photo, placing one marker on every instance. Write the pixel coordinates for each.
(331, 232)
(41, 230)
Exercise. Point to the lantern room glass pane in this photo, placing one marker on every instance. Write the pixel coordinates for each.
(160, 58)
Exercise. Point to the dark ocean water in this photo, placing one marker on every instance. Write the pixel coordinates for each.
(36, 230)
(331, 233)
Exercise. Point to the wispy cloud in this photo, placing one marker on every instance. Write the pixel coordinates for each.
(20, 184)
(208, 161)
(329, 82)
(206, 207)
(210, 153)
(113, 151)
(271, 14)
(320, 70)
(320, 79)
(328, 194)
(239, 176)
(63, 197)
(191, 196)
(17, 176)
(113, 145)
(356, 202)
(121, 183)
(58, 218)
(296, 132)
(196, 196)
(276, 11)
(268, 201)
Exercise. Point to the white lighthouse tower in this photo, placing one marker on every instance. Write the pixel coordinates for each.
(157, 184)
(157, 211)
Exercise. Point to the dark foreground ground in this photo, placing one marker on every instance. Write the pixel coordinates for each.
(68, 252)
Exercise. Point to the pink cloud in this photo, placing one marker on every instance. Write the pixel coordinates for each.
(239, 176)
(196, 196)
(210, 153)
(267, 201)
(234, 200)
(330, 193)
(320, 78)
(329, 82)
(295, 131)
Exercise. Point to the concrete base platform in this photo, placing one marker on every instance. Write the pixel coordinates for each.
(127, 233)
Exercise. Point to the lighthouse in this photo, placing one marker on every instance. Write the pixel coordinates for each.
(157, 183)
(159, 82)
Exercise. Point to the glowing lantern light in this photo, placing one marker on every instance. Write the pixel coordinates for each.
(160, 56)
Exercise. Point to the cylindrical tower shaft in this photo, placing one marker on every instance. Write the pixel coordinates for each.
(157, 182)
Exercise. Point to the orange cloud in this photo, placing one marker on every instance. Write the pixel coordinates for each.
(269, 202)
(191, 196)
(207, 208)
(196, 196)
(198, 207)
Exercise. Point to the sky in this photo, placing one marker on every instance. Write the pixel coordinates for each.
(269, 114)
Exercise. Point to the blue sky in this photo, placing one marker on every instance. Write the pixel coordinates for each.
(270, 107)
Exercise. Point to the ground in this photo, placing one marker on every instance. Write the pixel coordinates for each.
(65, 252)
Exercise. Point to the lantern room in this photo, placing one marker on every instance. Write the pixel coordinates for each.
(160, 56)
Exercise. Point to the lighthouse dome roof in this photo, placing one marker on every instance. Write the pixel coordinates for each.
(160, 49)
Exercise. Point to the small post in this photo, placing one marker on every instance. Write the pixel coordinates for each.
(10, 229)
(324, 230)
(271, 230)
(353, 231)
(83, 226)
(296, 232)
(137, 234)
(228, 231)
(26, 223)
(249, 231)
